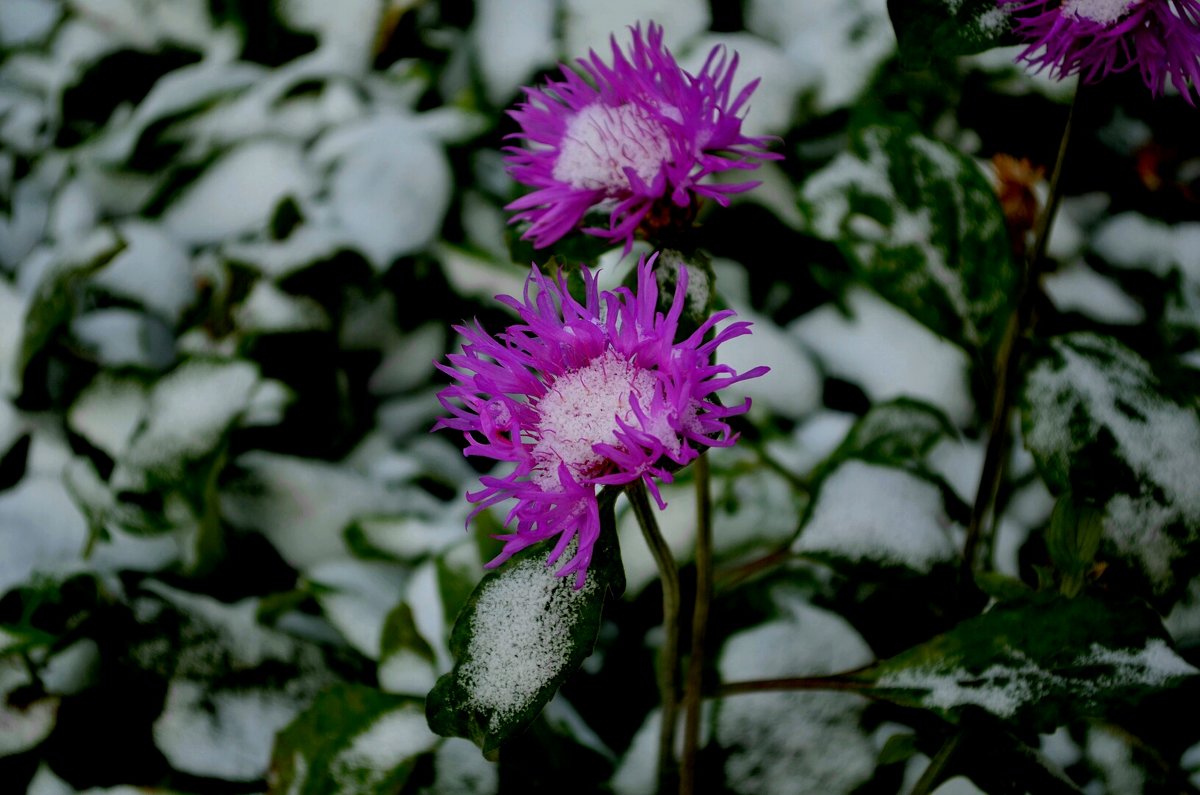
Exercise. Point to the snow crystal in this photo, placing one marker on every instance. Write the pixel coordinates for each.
(153, 269)
(1113, 756)
(1104, 12)
(999, 689)
(394, 737)
(880, 514)
(888, 354)
(224, 733)
(1153, 665)
(520, 636)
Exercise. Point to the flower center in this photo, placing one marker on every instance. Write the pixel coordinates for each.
(602, 141)
(580, 411)
(1103, 12)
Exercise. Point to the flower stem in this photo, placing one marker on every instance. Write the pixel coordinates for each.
(669, 657)
(835, 682)
(692, 698)
(1008, 359)
(935, 773)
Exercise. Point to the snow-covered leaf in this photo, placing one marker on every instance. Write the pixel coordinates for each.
(1042, 659)
(352, 739)
(521, 634)
(1099, 425)
(928, 29)
(879, 514)
(921, 224)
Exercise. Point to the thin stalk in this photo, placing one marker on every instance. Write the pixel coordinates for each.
(792, 683)
(1008, 359)
(935, 773)
(669, 657)
(692, 698)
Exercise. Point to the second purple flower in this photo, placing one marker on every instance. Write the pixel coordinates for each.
(641, 132)
(580, 395)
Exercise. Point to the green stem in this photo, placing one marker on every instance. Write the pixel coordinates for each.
(935, 774)
(1008, 359)
(692, 696)
(669, 658)
(835, 682)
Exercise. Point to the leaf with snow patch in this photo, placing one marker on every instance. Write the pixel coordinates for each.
(922, 225)
(1042, 659)
(352, 739)
(54, 301)
(406, 660)
(25, 719)
(1098, 425)
(926, 29)
(522, 633)
(880, 514)
(897, 433)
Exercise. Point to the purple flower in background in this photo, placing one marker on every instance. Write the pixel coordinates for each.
(644, 132)
(1095, 38)
(581, 395)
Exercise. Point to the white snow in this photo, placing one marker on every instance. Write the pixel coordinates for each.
(811, 442)
(409, 363)
(888, 354)
(108, 412)
(794, 742)
(22, 729)
(462, 770)
(520, 636)
(301, 505)
(225, 734)
(384, 745)
(190, 408)
(269, 309)
(1131, 240)
(588, 25)
(960, 463)
(772, 105)
(406, 672)
(1113, 756)
(793, 386)
(356, 596)
(835, 45)
(24, 22)
(1160, 442)
(1078, 288)
(41, 531)
(122, 337)
(153, 270)
(877, 513)
(238, 193)
(511, 39)
(390, 186)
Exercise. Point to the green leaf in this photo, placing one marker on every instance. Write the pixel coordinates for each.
(1099, 426)
(1072, 541)
(522, 633)
(352, 739)
(1043, 659)
(406, 660)
(54, 301)
(897, 433)
(921, 224)
(928, 29)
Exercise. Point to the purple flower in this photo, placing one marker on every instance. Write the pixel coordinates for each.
(645, 131)
(582, 395)
(1095, 38)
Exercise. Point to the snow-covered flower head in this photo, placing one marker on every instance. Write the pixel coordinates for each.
(1095, 38)
(580, 395)
(643, 133)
